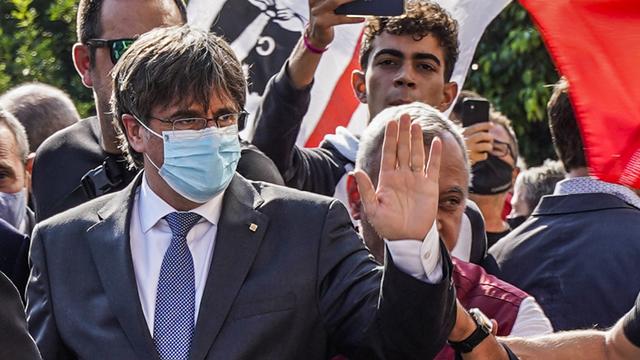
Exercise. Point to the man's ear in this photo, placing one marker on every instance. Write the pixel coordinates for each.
(134, 133)
(28, 169)
(354, 197)
(82, 63)
(449, 93)
(359, 85)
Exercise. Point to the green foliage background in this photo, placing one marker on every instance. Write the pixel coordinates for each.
(514, 72)
(514, 68)
(36, 37)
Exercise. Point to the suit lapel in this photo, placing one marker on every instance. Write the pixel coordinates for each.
(240, 232)
(109, 243)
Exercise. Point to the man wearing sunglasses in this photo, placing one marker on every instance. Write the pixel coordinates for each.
(106, 28)
(88, 152)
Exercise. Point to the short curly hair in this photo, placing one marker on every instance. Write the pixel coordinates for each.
(420, 19)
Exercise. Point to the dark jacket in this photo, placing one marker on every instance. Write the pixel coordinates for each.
(578, 256)
(300, 285)
(14, 253)
(65, 157)
(278, 122)
(15, 341)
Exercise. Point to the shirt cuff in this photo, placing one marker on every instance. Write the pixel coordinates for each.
(420, 259)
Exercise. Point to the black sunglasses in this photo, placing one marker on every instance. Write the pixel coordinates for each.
(117, 47)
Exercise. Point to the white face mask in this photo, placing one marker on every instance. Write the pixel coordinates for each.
(13, 207)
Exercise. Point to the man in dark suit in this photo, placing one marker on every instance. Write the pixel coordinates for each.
(193, 261)
(15, 341)
(88, 151)
(579, 250)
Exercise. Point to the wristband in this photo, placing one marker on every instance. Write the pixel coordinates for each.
(310, 46)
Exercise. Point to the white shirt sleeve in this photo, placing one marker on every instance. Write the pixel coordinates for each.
(420, 259)
(531, 320)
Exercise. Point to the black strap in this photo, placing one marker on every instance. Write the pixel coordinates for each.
(512, 356)
(112, 175)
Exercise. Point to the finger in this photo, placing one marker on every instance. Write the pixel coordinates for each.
(483, 126)
(367, 192)
(483, 147)
(389, 147)
(404, 142)
(417, 149)
(482, 136)
(435, 155)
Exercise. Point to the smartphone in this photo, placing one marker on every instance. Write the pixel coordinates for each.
(474, 111)
(372, 8)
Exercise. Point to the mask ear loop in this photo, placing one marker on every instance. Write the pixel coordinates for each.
(146, 127)
(152, 163)
(154, 133)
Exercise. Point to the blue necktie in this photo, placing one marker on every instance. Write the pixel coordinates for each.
(174, 323)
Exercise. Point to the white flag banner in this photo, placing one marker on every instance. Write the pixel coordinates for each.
(263, 33)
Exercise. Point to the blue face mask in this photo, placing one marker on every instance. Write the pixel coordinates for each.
(199, 164)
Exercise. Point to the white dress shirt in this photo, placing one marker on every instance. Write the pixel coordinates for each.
(150, 237)
(531, 320)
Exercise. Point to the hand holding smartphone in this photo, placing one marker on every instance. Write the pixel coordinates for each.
(372, 8)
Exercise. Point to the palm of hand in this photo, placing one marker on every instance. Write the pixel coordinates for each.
(405, 203)
(405, 200)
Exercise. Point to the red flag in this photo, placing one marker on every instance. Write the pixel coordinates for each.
(596, 45)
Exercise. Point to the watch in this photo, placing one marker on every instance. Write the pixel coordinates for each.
(483, 329)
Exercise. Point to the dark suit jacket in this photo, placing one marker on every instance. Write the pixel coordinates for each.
(15, 342)
(578, 256)
(65, 157)
(14, 253)
(301, 286)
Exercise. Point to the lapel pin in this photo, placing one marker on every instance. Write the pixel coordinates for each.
(253, 227)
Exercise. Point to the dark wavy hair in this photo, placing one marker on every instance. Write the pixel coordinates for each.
(173, 66)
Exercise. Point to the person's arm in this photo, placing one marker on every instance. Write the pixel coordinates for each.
(286, 101)
(365, 321)
(575, 345)
(303, 61)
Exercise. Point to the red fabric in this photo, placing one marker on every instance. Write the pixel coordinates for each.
(506, 210)
(341, 106)
(497, 299)
(596, 45)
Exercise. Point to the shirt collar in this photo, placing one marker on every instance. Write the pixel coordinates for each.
(587, 184)
(153, 209)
